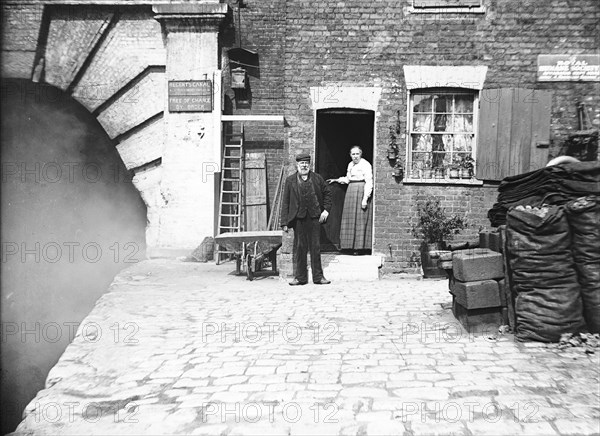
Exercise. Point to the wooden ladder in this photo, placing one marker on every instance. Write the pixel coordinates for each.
(232, 179)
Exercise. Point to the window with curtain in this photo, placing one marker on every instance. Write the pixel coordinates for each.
(441, 132)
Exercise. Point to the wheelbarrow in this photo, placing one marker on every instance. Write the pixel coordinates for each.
(251, 249)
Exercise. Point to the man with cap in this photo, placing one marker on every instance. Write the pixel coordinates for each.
(305, 205)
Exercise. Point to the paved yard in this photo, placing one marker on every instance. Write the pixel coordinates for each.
(187, 348)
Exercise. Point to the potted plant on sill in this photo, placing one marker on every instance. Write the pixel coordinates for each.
(427, 172)
(416, 170)
(466, 167)
(454, 172)
(435, 228)
(427, 169)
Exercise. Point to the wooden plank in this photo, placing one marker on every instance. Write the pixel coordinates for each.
(255, 178)
(274, 217)
(277, 118)
(445, 3)
(504, 130)
(235, 240)
(520, 131)
(217, 194)
(540, 129)
(247, 236)
(487, 137)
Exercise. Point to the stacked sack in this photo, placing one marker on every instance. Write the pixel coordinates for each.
(583, 216)
(556, 184)
(553, 256)
(543, 280)
(552, 251)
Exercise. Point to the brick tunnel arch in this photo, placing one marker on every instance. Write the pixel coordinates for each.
(107, 64)
(71, 219)
(111, 56)
(111, 59)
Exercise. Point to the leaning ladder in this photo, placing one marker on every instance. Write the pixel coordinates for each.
(232, 179)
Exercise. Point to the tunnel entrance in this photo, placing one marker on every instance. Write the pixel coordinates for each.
(70, 220)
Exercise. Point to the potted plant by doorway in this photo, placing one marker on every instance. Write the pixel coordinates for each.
(434, 227)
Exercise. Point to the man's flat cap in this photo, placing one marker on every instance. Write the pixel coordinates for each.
(303, 157)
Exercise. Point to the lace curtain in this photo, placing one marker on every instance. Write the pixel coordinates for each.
(442, 130)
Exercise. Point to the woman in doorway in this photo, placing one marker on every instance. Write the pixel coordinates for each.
(356, 227)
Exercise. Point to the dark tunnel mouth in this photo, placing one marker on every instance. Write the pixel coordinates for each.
(73, 229)
(44, 93)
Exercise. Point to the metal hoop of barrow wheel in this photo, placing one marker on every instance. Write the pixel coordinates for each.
(252, 250)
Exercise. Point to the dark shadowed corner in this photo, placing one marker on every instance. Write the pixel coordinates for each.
(71, 219)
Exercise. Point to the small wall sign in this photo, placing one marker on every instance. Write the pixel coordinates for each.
(190, 96)
(568, 68)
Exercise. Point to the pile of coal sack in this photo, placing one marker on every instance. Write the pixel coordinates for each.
(552, 219)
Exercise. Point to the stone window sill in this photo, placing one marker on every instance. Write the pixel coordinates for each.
(471, 182)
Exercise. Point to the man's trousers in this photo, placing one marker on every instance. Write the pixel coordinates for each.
(307, 238)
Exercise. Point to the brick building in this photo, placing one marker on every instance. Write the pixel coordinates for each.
(351, 68)
(498, 80)
(451, 79)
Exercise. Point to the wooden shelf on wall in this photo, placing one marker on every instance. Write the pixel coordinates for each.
(276, 118)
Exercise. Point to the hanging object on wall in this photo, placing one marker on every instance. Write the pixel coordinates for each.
(582, 144)
(398, 171)
(239, 57)
(243, 58)
(238, 78)
(394, 131)
(242, 62)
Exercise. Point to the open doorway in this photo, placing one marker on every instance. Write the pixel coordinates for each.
(337, 131)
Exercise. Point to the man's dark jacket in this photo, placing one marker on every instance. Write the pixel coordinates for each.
(291, 197)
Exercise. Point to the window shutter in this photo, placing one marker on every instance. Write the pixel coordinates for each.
(486, 167)
(514, 132)
(540, 129)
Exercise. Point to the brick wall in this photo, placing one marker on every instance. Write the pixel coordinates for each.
(20, 28)
(133, 43)
(357, 43)
(261, 25)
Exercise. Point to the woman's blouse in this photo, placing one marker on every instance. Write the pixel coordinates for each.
(360, 171)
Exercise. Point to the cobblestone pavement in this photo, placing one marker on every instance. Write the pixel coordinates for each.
(187, 348)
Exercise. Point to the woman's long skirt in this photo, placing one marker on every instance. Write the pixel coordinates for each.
(356, 229)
